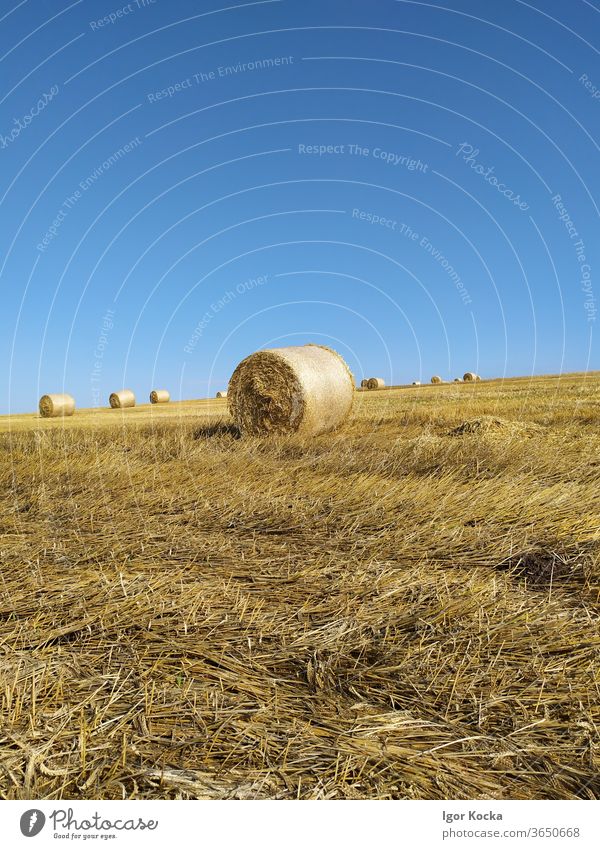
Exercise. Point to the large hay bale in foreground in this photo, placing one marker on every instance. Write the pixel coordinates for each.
(160, 396)
(375, 383)
(307, 390)
(222, 394)
(469, 377)
(59, 404)
(436, 379)
(123, 398)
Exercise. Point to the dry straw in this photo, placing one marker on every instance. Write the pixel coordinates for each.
(278, 633)
(495, 426)
(124, 398)
(436, 379)
(52, 406)
(375, 383)
(307, 390)
(160, 396)
(222, 394)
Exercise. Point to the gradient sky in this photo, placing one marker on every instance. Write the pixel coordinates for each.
(182, 183)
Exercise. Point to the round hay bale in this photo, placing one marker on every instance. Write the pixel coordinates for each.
(160, 396)
(222, 394)
(436, 379)
(457, 380)
(469, 376)
(305, 389)
(416, 383)
(364, 383)
(477, 378)
(124, 398)
(375, 383)
(60, 404)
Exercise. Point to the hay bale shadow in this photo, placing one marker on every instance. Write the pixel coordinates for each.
(209, 431)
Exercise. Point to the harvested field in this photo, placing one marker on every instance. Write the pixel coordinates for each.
(406, 608)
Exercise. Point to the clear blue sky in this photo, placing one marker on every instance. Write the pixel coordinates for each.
(182, 183)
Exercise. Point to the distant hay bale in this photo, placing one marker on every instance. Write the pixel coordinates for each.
(469, 377)
(416, 383)
(375, 383)
(477, 378)
(222, 394)
(159, 396)
(124, 398)
(60, 404)
(436, 379)
(364, 383)
(457, 380)
(305, 389)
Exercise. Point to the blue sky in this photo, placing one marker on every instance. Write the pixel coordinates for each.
(182, 183)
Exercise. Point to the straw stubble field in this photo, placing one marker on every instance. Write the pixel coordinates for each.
(407, 608)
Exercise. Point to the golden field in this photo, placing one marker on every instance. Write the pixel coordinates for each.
(406, 608)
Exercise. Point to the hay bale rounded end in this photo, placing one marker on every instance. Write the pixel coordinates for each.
(123, 398)
(436, 379)
(59, 404)
(307, 390)
(160, 396)
(375, 383)
(364, 383)
(222, 394)
(469, 377)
